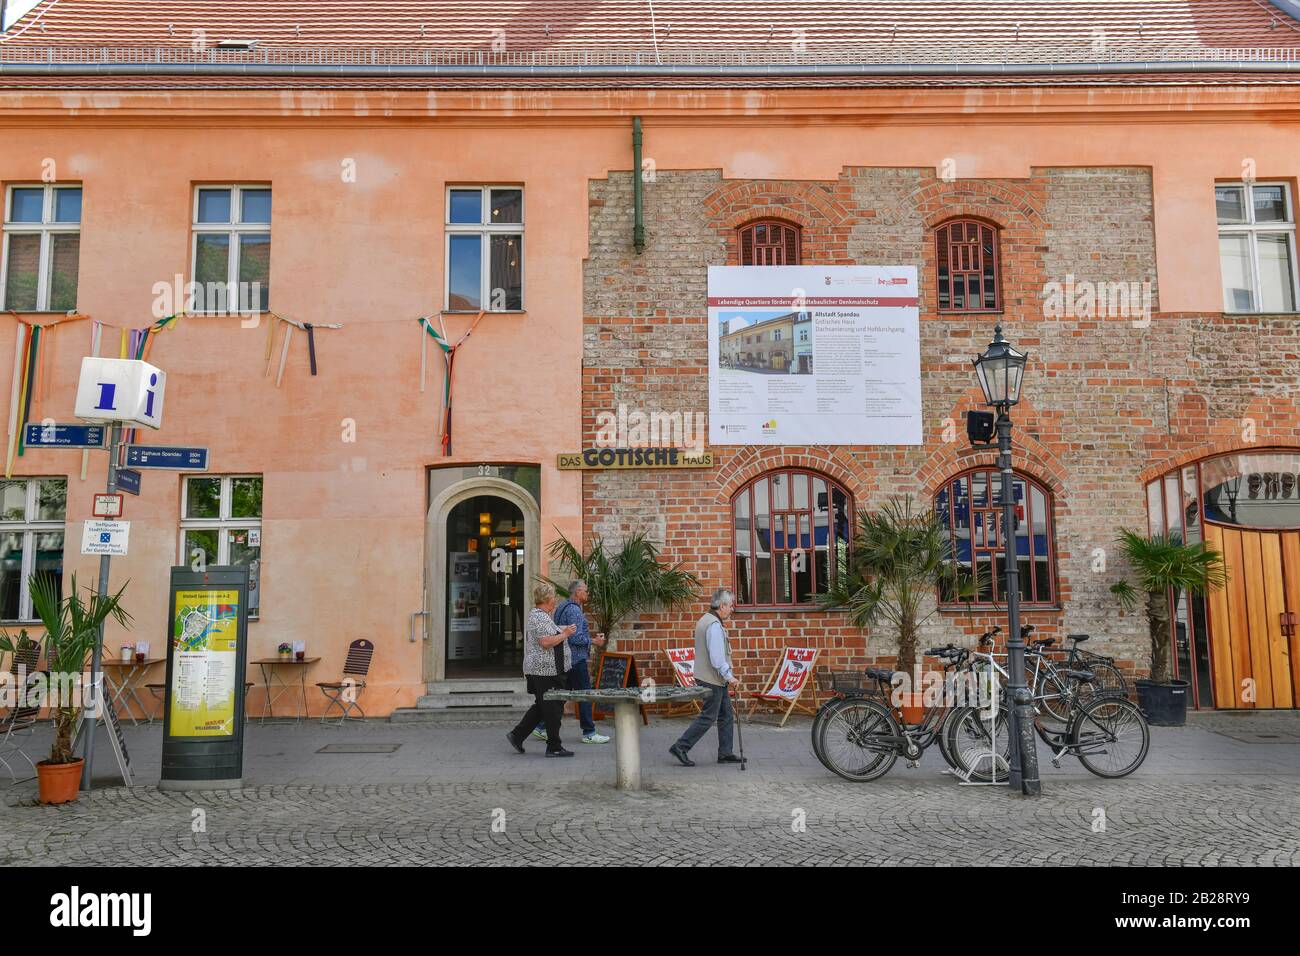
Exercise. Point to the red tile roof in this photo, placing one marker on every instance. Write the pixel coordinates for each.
(397, 83)
(619, 33)
(825, 31)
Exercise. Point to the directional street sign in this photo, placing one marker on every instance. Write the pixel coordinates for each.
(128, 481)
(166, 457)
(40, 435)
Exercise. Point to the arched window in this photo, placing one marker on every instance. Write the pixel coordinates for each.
(970, 278)
(970, 508)
(791, 531)
(769, 243)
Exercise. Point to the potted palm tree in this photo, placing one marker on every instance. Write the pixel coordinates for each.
(624, 582)
(72, 627)
(899, 563)
(1159, 563)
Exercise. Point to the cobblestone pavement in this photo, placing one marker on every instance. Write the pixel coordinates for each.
(456, 795)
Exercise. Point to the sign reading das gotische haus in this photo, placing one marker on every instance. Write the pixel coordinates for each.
(615, 458)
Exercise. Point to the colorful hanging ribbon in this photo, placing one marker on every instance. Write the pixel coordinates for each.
(311, 345)
(146, 335)
(96, 339)
(308, 327)
(29, 382)
(141, 342)
(15, 396)
(449, 357)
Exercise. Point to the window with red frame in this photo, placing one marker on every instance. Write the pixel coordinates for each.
(791, 537)
(970, 509)
(769, 243)
(968, 265)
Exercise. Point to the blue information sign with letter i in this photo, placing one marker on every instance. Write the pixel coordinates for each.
(167, 457)
(51, 435)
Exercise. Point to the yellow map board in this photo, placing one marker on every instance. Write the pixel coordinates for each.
(205, 636)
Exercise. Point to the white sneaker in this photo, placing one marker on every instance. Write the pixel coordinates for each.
(539, 734)
(596, 738)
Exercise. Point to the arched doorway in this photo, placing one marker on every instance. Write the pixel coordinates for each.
(482, 551)
(1239, 646)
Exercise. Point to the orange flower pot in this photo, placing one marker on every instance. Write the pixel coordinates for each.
(59, 782)
(911, 709)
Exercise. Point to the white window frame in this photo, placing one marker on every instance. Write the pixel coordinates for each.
(29, 527)
(234, 229)
(224, 522)
(485, 231)
(45, 229)
(1251, 230)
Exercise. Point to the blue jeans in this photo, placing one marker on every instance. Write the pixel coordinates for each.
(716, 710)
(578, 677)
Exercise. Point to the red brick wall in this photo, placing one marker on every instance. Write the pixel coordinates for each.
(1109, 401)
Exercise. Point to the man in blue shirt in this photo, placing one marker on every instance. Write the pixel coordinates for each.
(580, 644)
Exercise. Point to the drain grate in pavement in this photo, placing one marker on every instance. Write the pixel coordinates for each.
(1247, 738)
(359, 749)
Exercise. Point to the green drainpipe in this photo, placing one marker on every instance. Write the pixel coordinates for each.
(638, 211)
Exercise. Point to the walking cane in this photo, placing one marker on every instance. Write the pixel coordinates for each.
(740, 737)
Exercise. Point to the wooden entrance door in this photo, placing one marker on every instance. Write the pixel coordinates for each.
(1253, 632)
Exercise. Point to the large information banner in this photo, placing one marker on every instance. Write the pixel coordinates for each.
(802, 355)
(207, 658)
(205, 645)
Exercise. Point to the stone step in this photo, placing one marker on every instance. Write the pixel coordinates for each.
(479, 686)
(455, 701)
(507, 716)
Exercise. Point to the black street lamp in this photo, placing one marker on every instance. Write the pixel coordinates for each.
(1000, 371)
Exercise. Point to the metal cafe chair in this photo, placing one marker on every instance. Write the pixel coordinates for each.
(19, 724)
(344, 694)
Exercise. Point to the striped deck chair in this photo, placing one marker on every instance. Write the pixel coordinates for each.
(682, 660)
(345, 694)
(788, 681)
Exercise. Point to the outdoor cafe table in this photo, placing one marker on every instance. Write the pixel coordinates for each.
(628, 702)
(127, 684)
(276, 685)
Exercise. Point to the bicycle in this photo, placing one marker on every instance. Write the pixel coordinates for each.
(1049, 682)
(858, 737)
(1109, 678)
(1106, 731)
(1102, 726)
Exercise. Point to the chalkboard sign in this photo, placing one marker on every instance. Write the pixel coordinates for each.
(616, 670)
(115, 739)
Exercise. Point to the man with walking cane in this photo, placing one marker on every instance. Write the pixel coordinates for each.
(712, 670)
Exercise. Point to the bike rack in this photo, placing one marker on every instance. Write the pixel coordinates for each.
(993, 781)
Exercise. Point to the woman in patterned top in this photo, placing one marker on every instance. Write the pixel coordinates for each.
(546, 662)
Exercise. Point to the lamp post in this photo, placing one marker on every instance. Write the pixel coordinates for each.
(1000, 371)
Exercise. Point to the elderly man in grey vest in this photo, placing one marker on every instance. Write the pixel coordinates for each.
(712, 670)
